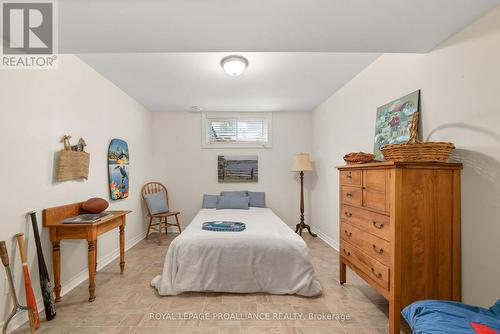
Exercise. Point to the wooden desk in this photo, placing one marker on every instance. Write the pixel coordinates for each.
(52, 218)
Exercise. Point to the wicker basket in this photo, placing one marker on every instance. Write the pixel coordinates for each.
(356, 158)
(415, 150)
(73, 165)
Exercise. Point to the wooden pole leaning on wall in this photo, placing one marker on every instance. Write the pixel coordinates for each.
(17, 308)
(30, 295)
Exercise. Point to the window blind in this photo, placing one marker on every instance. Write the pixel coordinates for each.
(224, 130)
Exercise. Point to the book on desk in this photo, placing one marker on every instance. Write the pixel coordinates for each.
(87, 218)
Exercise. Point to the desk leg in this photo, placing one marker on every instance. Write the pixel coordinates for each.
(122, 249)
(56, 265)
(91, 259)
(95, 255)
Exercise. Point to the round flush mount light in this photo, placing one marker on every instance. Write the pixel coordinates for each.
(234, 65)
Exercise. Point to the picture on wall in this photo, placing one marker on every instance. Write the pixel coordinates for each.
(238, 168)
(118, 169)
(394, 121)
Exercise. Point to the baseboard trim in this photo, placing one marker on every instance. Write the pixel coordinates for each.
(101, 263)
(79, 278)
(332, 243)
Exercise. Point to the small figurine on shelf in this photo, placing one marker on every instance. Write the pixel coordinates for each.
(80, 147)
(65, 139)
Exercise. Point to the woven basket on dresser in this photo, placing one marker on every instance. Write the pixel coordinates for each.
(356, 158)
(415, 150)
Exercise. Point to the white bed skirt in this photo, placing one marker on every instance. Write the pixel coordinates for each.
(267, 257)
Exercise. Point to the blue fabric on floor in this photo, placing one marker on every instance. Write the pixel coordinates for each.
(446, 317)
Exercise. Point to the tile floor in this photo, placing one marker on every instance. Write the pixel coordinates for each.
(124, 303)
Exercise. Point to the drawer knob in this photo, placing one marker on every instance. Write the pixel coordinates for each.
(348, 194)
(349, 234)
(378, 225)
(378, 250)
(377, 275)
(348, 214)
(349, 176)
(346, 252)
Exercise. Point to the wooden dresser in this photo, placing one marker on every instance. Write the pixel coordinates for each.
(400, 230)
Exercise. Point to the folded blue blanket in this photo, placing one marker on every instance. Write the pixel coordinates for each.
(224, 226)
(442, 317)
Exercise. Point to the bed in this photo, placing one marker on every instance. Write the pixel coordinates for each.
(266, 257)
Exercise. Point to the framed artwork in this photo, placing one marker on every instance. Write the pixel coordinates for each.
(237, 168)
(393, 122)
(118, 169)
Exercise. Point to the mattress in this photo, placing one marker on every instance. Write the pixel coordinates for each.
(266, 257)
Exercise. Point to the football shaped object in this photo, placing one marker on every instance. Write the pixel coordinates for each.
(95, 205)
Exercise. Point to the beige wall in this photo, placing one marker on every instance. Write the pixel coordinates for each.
(36, 109)
(190, 171)
(460, 82)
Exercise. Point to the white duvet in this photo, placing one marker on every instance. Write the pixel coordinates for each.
(266, 257)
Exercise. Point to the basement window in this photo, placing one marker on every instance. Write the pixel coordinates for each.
(243, 130)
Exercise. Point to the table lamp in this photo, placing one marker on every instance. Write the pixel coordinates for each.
(302, 163)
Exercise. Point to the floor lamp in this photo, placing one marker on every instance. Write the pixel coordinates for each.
(302, 163)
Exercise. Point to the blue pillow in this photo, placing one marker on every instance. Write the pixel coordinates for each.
(209, 201)
(156, 202)
(257, 199)
(243, 193)
(442, 316)
(232, 202)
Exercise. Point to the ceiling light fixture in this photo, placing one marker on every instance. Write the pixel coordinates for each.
(234, 65)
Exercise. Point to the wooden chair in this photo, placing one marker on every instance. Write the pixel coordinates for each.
(153, 188)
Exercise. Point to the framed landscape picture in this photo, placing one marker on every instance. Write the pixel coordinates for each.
(238, 168)
(393, 122)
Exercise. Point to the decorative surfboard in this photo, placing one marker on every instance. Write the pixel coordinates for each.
(118, 169)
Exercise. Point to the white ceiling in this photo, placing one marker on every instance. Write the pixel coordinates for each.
(166, 53)
(128, 26)
(272, 81)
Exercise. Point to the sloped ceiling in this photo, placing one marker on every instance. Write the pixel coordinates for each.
(166, 53)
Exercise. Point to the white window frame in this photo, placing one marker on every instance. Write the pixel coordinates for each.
(205, 135)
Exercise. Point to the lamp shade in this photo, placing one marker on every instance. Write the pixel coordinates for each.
(302, 163)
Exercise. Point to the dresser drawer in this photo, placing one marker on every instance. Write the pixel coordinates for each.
(375, 180)
(368, 221)
(375, 200)
(350, 177)
(374, 246)
(375, 189)
(369, 266)
(352, 195)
